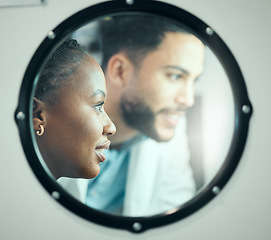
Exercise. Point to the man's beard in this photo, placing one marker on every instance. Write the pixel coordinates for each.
(138, 115)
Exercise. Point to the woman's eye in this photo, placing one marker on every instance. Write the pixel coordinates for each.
(99, 107)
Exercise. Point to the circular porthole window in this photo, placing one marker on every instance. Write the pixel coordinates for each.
(133, 114)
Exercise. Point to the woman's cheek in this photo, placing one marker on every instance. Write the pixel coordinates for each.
(96, 126)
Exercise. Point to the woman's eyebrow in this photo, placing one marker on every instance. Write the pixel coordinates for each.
(98, 92)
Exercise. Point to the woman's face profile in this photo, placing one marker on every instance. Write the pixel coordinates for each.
(76, 126)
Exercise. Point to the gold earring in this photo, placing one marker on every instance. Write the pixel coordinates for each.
(41, 131)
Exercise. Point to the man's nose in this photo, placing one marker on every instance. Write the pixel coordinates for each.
(185, 96)
(109, 127)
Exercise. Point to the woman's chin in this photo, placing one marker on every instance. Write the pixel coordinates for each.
(92, 173)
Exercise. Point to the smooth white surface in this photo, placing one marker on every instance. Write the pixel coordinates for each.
(15, 3)
(241, 211)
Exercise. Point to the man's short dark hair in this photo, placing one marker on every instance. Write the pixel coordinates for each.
(134, 34)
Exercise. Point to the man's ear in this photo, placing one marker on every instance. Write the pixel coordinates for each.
(119, 70)
(38, 114)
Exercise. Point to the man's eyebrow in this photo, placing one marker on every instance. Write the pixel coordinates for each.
(178, 68)
(98, 92)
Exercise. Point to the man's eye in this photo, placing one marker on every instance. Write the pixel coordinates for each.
(175, 76)
(99, 107)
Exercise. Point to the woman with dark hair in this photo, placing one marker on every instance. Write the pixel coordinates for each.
(69, 120)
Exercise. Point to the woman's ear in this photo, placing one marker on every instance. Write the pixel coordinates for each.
(39, 120)
(119, 70)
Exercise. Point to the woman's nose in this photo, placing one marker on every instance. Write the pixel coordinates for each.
(109, 127)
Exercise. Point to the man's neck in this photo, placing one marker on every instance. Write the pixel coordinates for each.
(122, 135)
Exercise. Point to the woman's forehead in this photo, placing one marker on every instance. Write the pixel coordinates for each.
(88, 76)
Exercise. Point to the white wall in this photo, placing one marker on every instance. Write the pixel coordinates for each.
(241, 211)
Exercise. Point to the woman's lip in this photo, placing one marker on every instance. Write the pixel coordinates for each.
(100, 155)
(104, 145)
(99, 150)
